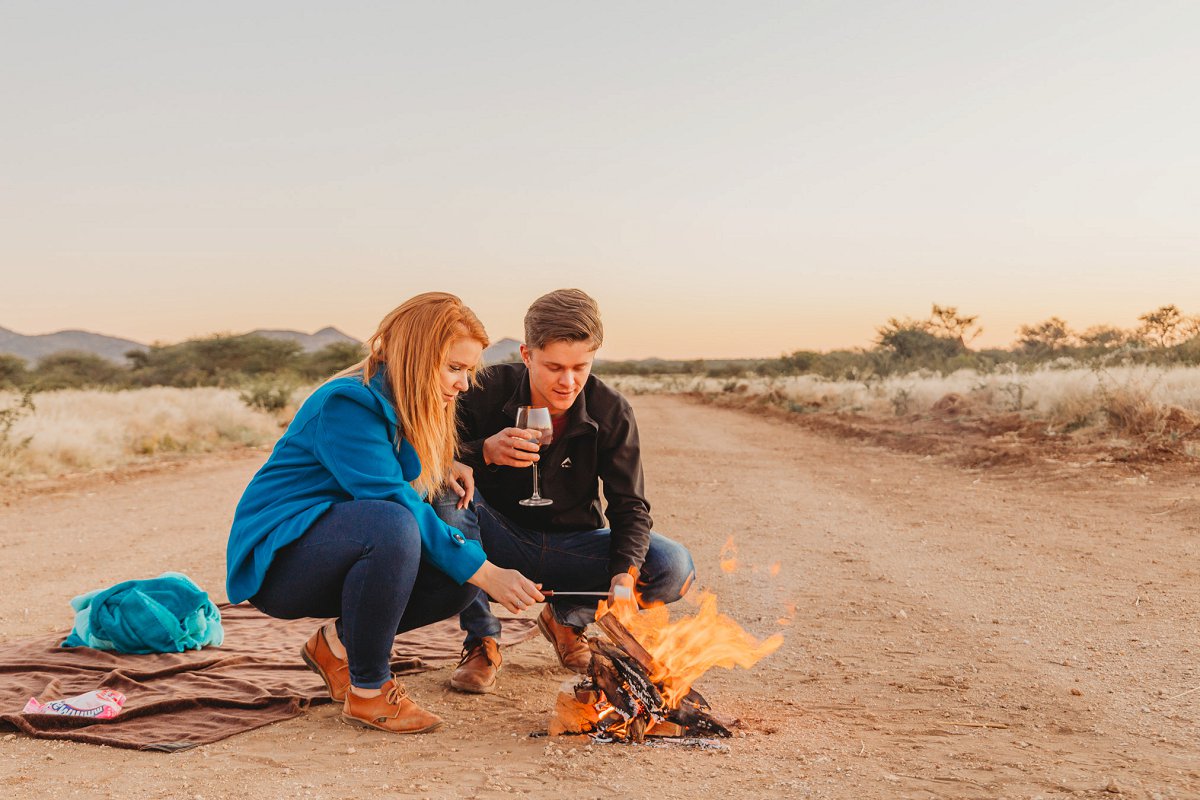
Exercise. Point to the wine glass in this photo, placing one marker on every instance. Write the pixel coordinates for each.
(538, 419)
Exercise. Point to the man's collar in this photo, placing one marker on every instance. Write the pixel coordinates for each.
(521, 396)
(577, 414)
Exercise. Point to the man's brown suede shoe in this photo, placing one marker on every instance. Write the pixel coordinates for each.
(570, 644)
(392, 711)
(478, 668)
(321, 660)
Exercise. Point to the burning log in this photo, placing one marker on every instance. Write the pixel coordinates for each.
(625, 683)
(623, 639)
(620, 701)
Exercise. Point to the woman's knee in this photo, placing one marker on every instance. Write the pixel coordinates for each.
(385, 529)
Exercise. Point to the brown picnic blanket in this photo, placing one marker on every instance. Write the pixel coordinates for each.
(179, 700)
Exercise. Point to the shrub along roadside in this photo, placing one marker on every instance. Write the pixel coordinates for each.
(1148, 409)
(11, 412)
(266, 370)
(938, 344)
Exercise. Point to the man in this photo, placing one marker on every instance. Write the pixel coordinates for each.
(564, 546)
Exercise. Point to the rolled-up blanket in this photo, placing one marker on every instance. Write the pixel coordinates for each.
(167, 614)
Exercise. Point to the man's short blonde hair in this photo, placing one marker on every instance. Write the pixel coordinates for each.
(564, 315)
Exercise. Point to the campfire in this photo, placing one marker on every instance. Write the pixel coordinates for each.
(640, 680)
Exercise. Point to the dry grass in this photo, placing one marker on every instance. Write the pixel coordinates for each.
(79, 431)
(1142, 403)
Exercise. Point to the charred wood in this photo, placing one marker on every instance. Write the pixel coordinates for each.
(638, 707)
(625, 640)
(627, 676)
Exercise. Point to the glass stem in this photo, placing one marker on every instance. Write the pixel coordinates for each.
(536, 494)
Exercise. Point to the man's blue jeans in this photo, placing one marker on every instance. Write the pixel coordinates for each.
(575, 561)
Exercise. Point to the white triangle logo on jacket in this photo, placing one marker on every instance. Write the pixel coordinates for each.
(566, 464)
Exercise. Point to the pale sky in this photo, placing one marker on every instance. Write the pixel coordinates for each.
(727, 179)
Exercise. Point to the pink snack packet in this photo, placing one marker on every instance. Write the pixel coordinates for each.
(97, 704)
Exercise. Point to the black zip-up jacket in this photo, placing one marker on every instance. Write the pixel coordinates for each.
(599, 444)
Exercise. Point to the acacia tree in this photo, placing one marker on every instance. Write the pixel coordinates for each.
(1105, 337)
(75, 369)
(1049, 336)
(1167, 326)
(912, 340)
(220, 360)
(946, 321)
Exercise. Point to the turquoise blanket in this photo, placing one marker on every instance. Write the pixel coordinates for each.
(167, 614)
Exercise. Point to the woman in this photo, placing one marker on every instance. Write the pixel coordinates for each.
(335, 524)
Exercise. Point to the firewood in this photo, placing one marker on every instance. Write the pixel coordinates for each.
(631, 676)
(664, 728)
(604, 674)
(625, 640)
(585, 692)
(619, 676)
(637, 729)
(573, 714)
(695, 715)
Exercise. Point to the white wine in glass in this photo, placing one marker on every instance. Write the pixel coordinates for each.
(538, 419)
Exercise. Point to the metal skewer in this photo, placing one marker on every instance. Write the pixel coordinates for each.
(552, 593)
(620, 593)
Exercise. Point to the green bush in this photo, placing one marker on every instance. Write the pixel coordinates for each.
(271, 394)
(72, 369)
(9, 417)
(215, 361)
(330, 360)
(13, 371)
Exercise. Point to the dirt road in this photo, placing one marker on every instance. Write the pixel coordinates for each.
(955, 634)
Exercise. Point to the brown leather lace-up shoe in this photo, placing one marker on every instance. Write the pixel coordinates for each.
(392, 711)
(478, 668)
(569, 643)
(321, 660)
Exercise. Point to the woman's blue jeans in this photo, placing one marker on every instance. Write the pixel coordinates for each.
(360, 562)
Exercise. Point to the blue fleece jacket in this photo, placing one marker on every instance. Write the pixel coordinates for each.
(341, 446)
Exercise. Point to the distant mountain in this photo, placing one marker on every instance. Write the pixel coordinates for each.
(33, 348)
(309, 341)
(502, 351)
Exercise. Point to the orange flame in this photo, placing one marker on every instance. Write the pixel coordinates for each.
(729, 556)
(791, 613)
(775, 569)
(685, 649)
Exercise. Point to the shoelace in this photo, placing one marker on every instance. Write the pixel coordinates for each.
(468, 653)
(397, 693)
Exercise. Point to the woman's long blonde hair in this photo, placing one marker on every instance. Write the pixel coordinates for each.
(413, 341)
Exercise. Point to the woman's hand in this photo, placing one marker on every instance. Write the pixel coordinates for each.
(507, 587)
(462, 482)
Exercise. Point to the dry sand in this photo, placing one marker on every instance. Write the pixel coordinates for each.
(957, 633)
